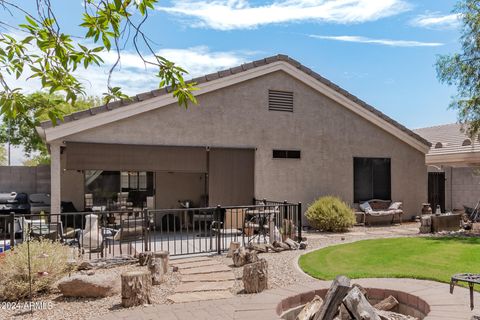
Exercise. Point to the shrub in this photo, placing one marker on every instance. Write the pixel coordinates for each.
(330, 214)
(48, 262)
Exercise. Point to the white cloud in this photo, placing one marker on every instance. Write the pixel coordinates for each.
(240, 14)
(385, 42)
(134, 77)
(437, 21)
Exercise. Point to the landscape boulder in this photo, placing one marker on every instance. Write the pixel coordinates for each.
(94, 286)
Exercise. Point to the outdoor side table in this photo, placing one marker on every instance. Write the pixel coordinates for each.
(469, 278)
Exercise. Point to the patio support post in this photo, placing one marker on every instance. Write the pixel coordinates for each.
(219, 228)
(55, 176)
(299, 218)
(12, 229)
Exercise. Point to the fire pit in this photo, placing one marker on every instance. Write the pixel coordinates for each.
(408, 304)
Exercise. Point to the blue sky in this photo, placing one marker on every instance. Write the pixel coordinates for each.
(382, 51)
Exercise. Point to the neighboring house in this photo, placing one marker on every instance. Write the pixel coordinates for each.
(453, 165)
(268, 129)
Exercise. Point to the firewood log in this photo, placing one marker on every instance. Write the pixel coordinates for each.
(310, 309)
(387, 304)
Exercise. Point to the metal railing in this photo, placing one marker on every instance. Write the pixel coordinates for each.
(180, 231)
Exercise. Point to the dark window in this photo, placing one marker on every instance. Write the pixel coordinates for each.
(372, 179)
(280, 100)
(286, 154)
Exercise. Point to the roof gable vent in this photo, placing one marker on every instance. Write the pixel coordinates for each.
(438, 145)
(280, 101)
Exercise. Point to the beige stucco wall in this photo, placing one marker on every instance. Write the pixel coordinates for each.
(73, 188)
(462, 186)
(328, 135)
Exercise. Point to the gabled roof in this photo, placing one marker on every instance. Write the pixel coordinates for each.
(220, 79)
(450, 144)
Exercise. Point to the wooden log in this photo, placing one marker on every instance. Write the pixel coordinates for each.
(388, 315)
(362, 289)
(359, 307)
(164, 257)
(335, 295)
(260, 247)
(251, 257)
(310, 309)
(387, 304)
(233, 246)
(255, 276)
(136, 288)
(292, 244)
(144, 258)
(155, 266)
(283, 245)
(239, 257)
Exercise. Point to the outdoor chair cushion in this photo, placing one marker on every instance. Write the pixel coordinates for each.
(395, 206)
(365, 207)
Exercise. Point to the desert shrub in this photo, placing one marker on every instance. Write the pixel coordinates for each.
(48, 262)
(330, 214)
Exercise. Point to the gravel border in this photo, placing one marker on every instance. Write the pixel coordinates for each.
(92, 308)
(283, 271)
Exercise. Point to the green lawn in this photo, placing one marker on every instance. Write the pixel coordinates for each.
(420, 258)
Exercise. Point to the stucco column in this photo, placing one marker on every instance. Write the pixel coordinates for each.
(55, 178)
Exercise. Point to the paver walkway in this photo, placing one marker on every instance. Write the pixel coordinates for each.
(263, 306)
(202, 278)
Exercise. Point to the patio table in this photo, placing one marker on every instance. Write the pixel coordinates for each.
(469, 278)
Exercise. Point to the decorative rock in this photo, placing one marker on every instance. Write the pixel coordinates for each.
(88, 286)
(303, 245)
(85, 266)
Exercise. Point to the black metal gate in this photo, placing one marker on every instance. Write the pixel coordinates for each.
(436, 190)
(179, 231)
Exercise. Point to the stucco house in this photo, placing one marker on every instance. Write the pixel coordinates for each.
(272, 128)
(453, 167)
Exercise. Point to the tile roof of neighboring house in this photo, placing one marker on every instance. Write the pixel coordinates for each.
(225, 73)
(449, 139)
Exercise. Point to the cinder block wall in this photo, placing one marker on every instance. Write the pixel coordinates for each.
(25, 179)
(465, 185)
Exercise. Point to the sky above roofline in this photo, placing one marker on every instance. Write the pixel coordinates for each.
(381, 51)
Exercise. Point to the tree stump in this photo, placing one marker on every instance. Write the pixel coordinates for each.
(136, 288)
(251, 257)
(239, 257)
(155, 265)
(164, 257)
(144, 258)
(255, 276)
(233, 246)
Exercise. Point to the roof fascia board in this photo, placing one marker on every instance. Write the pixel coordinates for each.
(70, 128)
(453, 158)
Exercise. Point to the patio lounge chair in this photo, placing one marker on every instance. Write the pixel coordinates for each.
(380, 208)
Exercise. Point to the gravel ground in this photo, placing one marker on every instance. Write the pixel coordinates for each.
(282, 271)
(83, 308)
